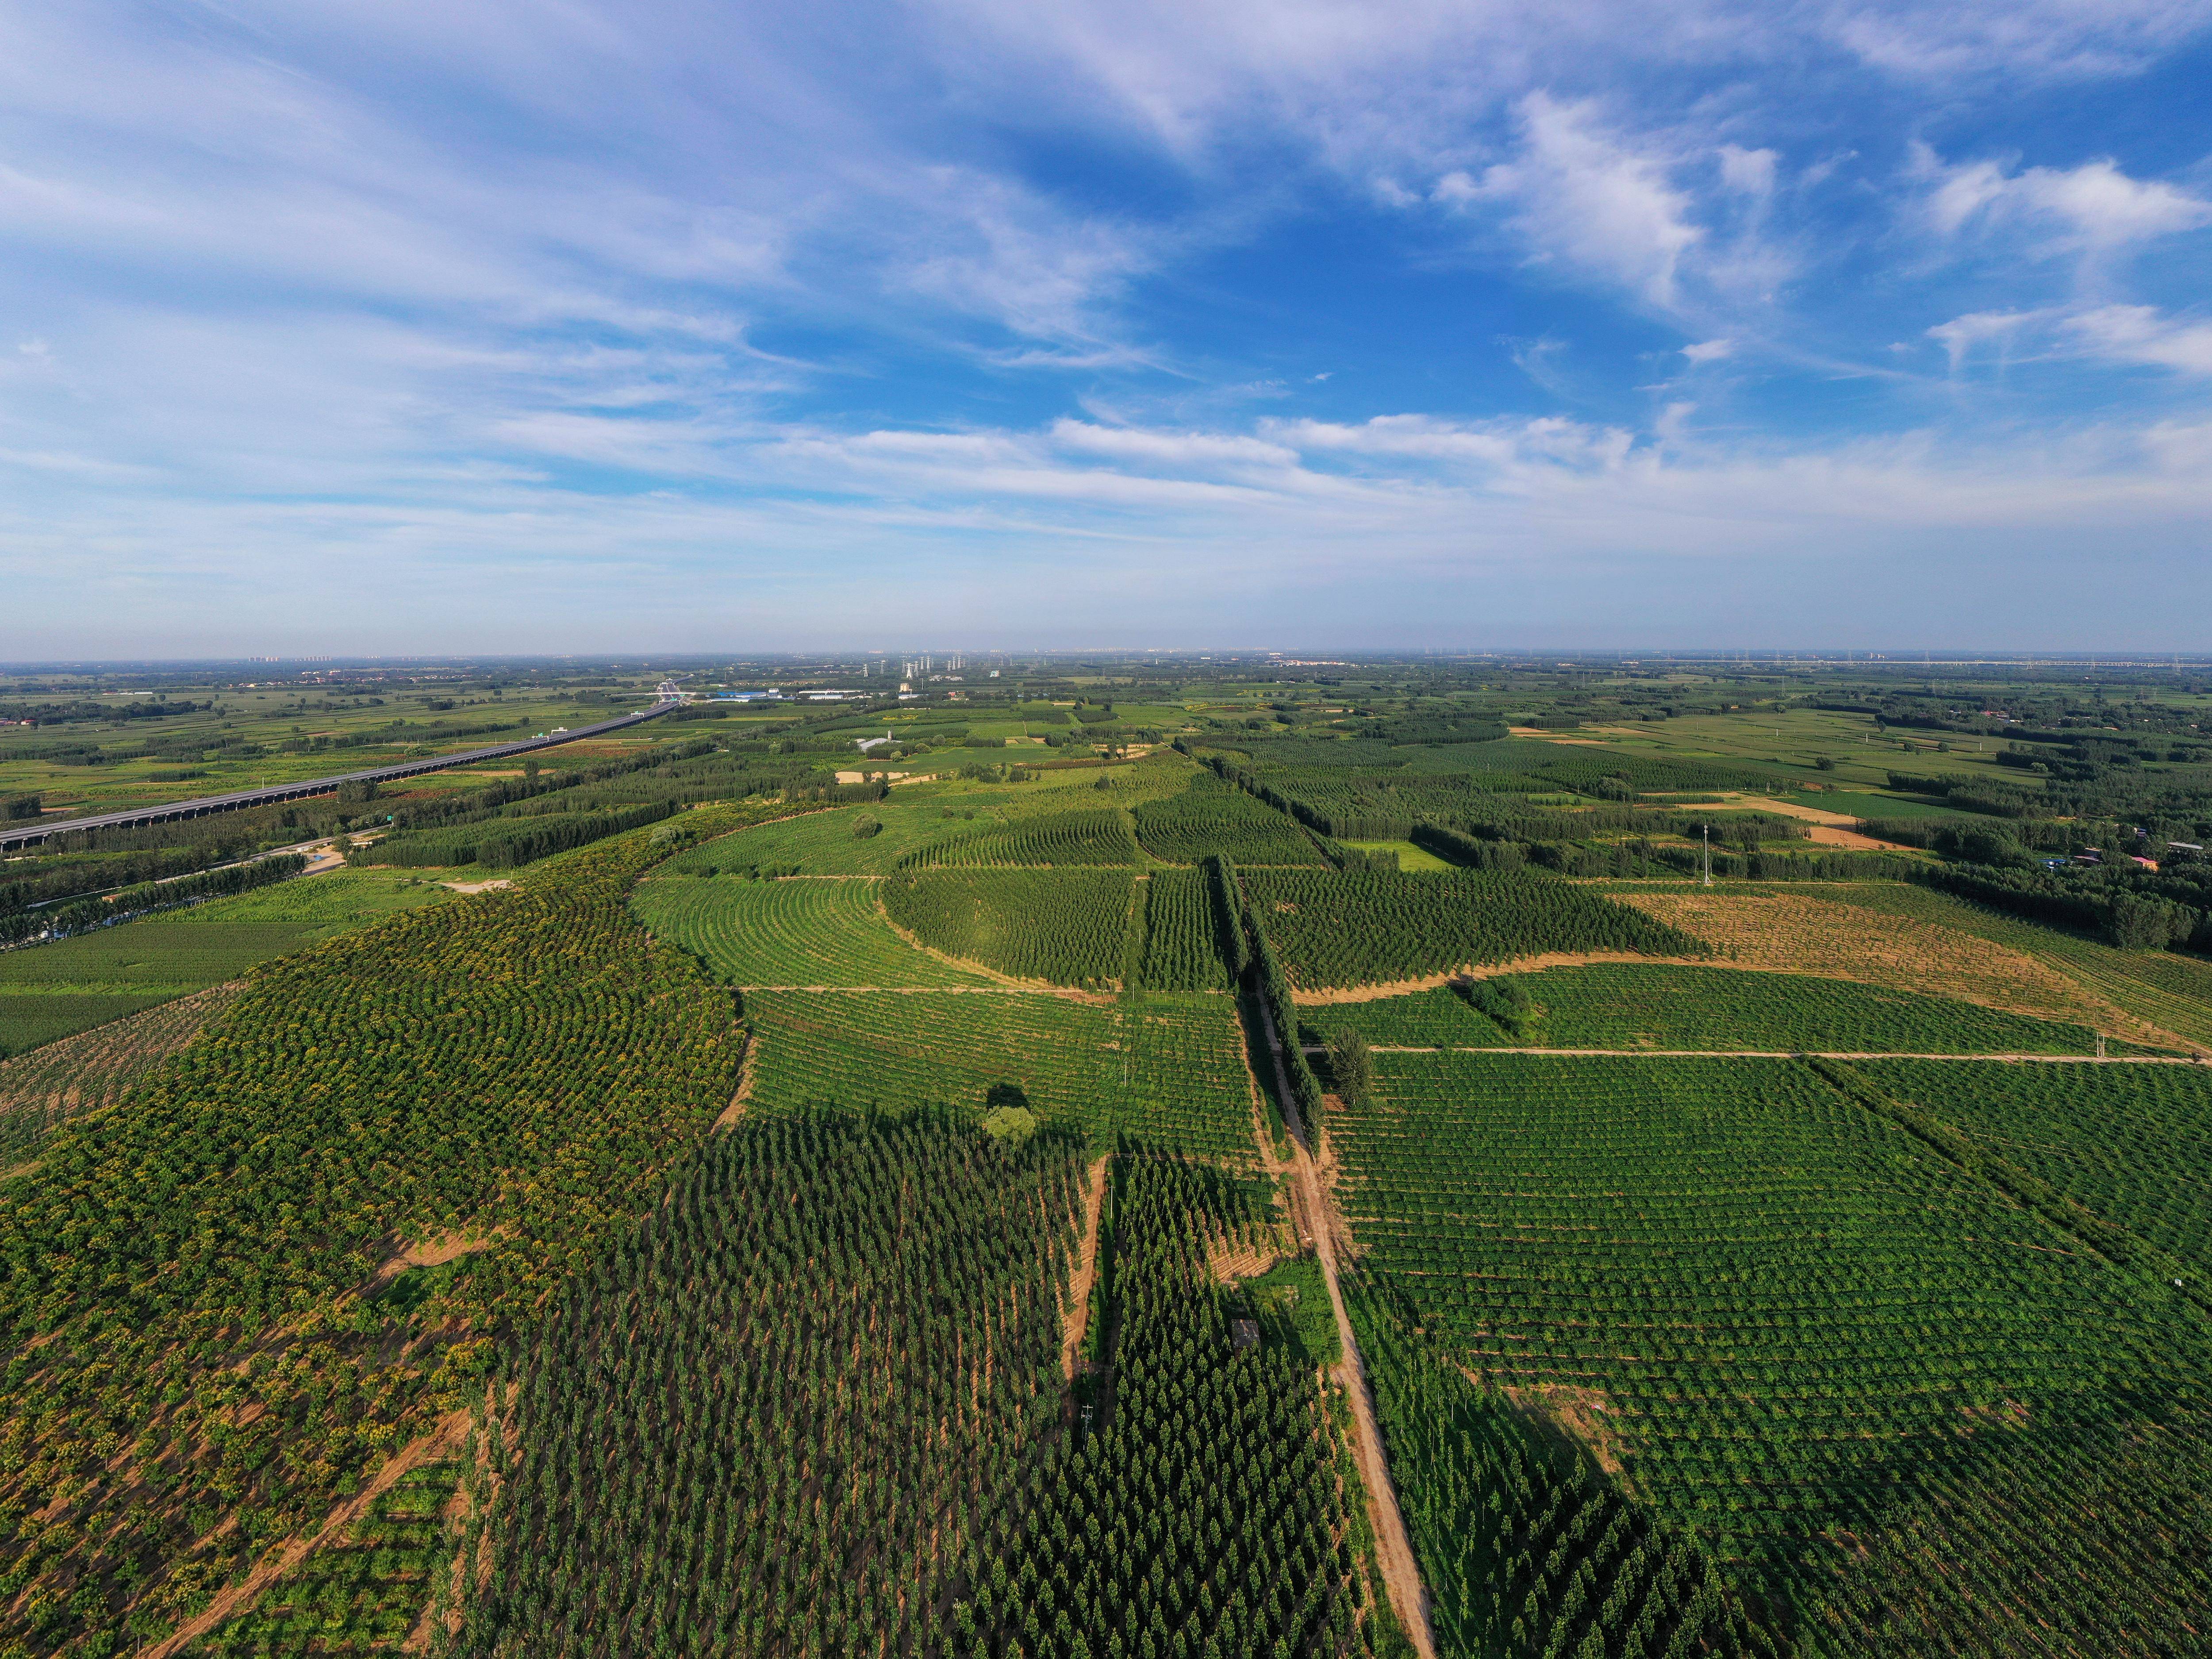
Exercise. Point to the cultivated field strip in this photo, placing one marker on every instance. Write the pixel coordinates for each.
(1063, 927)
(1779, 1304)
(1792, 932)
(2131, 1146)
(1182, 934)
(1782, 1310)
(1666, 1007)
(95, 1068)
(791, 933)
(1169, 1069)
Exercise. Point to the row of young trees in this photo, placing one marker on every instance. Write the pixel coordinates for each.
(194, 1373)
(62, 919)
(1195, 1510)
(794, 1410)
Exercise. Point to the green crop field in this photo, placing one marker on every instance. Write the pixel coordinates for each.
(1168, 1068)
(1365, 927)
(1664, 1005)
(1781, 1310)
(1064, 926)
(326, 903)
(2172, 991)
(2130, 1142)
(825, 843)
(799, 932)
(1084, 835)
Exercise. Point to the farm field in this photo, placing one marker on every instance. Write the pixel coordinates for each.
(2131, 1144)
(820, 1292)
(799, 932)
(822, 843)
(94, 1068)
(1366, 927)
(1169, 1069)
(1774, 1310)
(837, 1216)
(1061, 926)
(1813, 929)
(1630, 1005)
(1213, 816)
(2158, 987)
(1183, 929)
(48, 992)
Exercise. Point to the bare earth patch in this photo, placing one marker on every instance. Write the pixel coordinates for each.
(1086, 1274)
(1783, 932)
(1582, 1415)
(431, 1253)
(1399, 988)
(274, 1564)
(477, 886)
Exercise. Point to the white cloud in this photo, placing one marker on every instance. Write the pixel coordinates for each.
(2139, 334)
(2094, 207)
(1584, 198)
(1961, 335)
(1748, 171)
(2032, 39)
(1710, 351)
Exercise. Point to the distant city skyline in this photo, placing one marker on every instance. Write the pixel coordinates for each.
(652, 330)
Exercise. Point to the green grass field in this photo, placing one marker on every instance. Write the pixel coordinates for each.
(789, 933)
(1630, 1006)
(329, 903)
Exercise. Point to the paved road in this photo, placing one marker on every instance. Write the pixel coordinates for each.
(12, 837)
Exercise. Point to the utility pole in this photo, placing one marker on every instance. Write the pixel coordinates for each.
(1707, 829)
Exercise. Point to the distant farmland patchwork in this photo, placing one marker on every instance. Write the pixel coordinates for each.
(831, 1217)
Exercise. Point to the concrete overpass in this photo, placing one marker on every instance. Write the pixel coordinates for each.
(13, 837)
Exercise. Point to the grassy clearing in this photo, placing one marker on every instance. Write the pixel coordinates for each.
(329, 903)
(1168, 1068)
(789, 933)
(1628, 1005)
(1410, 857)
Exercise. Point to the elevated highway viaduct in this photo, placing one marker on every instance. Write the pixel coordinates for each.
(12, 837)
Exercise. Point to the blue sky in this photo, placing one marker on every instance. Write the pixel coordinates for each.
(586, 327)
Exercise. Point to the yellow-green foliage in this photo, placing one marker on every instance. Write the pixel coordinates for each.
(517, 1067)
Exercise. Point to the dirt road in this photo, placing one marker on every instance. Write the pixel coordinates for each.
(1393, 1546)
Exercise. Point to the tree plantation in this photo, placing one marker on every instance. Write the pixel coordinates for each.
(1282, 1169)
